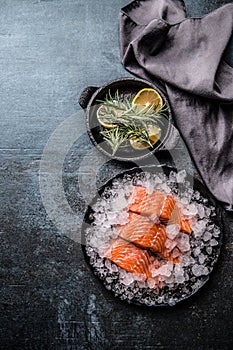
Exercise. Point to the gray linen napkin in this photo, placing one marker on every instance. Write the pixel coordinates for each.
(158, 42)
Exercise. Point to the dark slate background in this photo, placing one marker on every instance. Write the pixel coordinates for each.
(49, 52)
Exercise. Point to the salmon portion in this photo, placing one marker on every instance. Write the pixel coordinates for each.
(141, 231)
(158, 204)
(144, 203)
(129, 257)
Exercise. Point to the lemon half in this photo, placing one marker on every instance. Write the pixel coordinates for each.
(154, 136)
(148, 97)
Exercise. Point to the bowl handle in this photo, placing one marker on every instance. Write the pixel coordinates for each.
(86, 95)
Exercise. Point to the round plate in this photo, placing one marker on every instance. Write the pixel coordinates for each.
(126, 87)
(166, 295)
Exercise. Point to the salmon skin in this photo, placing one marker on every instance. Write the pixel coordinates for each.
(141, 231)
(129, 257)
(159, 204)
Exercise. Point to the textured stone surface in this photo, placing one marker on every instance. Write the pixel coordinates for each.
(49, 299)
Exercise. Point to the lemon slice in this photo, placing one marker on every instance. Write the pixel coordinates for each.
(147, 98)
(104, 115)
(154, 136)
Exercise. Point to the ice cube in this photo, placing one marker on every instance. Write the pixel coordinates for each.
(213, 242)
(183, 242)
(150, 190)
(172, 231)
(201, 258)
(151, 283)
(108, 264)
(169, 244)
(187, 260)
(141, 284)
(205, 271)
(130, 295)
(127, 279)
(191, 209)
(207, 236)
(99, 263)
(179, 274)
(155, 272)
(111, 215)
(178, 270)
(165, 188)
(207, 211)
(199, 227)
(196, 251)
(122, 217)
(201, 211)
(171, 302)
(197, 270)
(184, 200)
(197, 233)
(119, 203)
(197, 195)
(109, 280)
(114, 268)
(157, 180)
(139, 277)
(180, 176)
(166, 269)
(180, 279)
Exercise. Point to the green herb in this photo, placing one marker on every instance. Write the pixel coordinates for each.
(130, 121)
(114, 137)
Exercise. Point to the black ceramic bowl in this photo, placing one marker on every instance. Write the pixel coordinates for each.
(126, 87)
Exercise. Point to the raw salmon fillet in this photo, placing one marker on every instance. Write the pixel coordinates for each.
(129, 257)
(158, 204)
(141, 231)
(144, 203)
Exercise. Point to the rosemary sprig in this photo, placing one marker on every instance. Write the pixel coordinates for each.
(114, 137)
(130, 121)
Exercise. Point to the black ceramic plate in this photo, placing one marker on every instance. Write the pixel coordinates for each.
(126, 87)
(146, 296)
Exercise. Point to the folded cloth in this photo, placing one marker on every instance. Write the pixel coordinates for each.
(158, 42)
